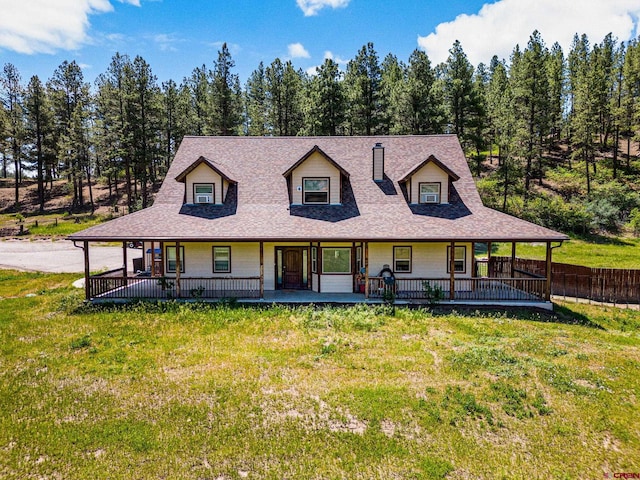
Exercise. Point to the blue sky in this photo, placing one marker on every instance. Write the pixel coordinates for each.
(176, 36)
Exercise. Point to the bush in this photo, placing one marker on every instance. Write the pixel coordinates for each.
(605, 215)
(634, 221)
(555, 213)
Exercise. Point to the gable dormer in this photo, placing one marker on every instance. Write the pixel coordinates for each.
(205, 183)
(315, 179)
(428, 182)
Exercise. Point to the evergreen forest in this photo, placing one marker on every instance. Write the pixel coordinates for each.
(551, 136)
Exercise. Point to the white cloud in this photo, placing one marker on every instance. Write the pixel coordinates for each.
(328, 55)
(297, 50)
(166, 41)
(312, 7)
(44, 26)
(339, 60)
(498, 27)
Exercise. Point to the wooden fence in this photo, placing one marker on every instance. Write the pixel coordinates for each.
(610, 285)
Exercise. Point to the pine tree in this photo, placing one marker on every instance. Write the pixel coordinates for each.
(556, 79)
(584, 118)
(255, 99)
(326, 101)
(113, 131)
(392, 91)
(362, 81)
(39, 133)
(226, 100)
(459, 94)
(530, 84)
(422, 109)
(70, 102)
(283, 95)
(11, 97)
(143, 117)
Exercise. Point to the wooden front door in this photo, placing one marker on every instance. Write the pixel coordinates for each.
(292, 268)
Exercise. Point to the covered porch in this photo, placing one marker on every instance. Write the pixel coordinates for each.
(489, 283)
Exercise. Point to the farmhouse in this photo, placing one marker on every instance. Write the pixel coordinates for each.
(319, 218)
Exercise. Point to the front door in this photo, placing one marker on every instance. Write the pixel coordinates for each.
(291, 268)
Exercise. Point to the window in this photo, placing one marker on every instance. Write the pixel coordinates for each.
(402, 259)
(221, 259)
(429, 193)
(359, 261)
(336, 260)
(460, 260)
(314, 259)
(172, 260)
(203, 193)
(315, 191)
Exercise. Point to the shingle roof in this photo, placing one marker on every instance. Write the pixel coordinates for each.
(257, 208)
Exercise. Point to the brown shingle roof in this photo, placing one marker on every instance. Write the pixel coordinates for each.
(258, 208)
(181, 177)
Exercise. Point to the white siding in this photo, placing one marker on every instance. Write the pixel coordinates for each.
(428, 260)
(198, 261)
(316, 166)
(336, 283)
(203, 174)
(430, 173)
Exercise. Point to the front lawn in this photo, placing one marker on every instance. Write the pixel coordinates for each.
(595, 252)
(195, 391)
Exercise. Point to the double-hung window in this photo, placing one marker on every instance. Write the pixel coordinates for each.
(203, 193)
(459, 261)
(172, 260)
(315, 191)
(402, 259)
(221, 259)
(429, 193)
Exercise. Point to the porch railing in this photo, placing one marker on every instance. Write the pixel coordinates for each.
(130, 287)
(435, 289)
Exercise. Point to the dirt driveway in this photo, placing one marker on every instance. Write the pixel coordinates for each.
(60, 256)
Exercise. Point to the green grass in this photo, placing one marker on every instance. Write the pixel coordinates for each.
(47, 226)
(194, 391)
(596, 252)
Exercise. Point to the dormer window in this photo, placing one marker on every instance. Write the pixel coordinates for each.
(203, 192)
(315, 191)
(429, 192)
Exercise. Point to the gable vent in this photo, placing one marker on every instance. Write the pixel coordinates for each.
(378, 163)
